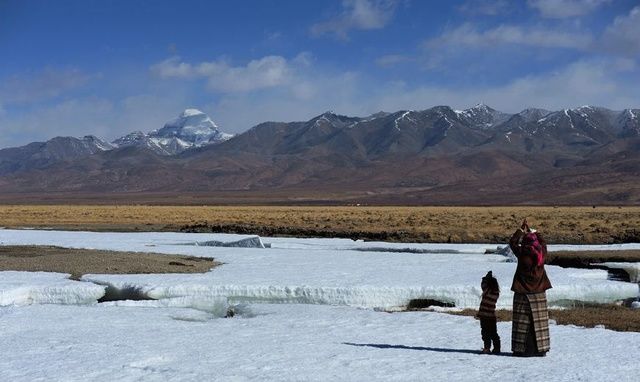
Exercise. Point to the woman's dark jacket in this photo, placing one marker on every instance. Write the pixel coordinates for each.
(529, 277)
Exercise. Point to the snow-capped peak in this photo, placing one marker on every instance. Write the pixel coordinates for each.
(193, 121)
(192, 128)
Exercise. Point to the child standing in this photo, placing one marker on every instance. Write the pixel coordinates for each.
(487, 313)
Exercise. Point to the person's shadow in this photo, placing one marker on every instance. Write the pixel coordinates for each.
(423, 348)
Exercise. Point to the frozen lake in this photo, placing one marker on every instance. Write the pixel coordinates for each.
(317, 271)
(325, 324)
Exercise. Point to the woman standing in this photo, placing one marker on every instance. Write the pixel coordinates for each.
(530, 331)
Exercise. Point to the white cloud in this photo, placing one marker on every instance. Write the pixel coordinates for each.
(392, 60)
(271, 88)
(621, 38)
(310, 90)
(146, 112)
(624, 64)
(72, 117)
(304, 59)
(623, 35)
(583, 82)
(172, 67)
(467, 34)
(485, 7)
(558, 9)
(45, 84)
(357, 15)
(294, 86)
(269, 71)
(312, 94)
(77, 117)
(266, 72)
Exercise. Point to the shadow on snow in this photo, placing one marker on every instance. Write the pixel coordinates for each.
(423, 348)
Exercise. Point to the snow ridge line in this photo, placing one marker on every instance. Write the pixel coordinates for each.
(366, 296)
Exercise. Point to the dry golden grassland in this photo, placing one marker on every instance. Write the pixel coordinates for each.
(408, 224)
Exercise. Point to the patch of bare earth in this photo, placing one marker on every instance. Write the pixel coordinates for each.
(78, 262)
(583, 259)
(613, 317)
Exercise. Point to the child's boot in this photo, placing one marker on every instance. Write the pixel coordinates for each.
(496, 347)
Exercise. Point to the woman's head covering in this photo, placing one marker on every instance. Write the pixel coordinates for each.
(531, 244)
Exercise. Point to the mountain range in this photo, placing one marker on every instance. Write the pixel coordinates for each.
(587, 155)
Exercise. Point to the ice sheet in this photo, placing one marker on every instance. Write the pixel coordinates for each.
(289, 343)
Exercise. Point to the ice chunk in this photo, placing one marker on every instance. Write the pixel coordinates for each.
(508, 253)
(632, 269)
(249, 242)
(603, 292)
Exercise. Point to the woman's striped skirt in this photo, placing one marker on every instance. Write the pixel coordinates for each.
(530, 330)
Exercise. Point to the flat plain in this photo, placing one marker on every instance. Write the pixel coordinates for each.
(571, 225)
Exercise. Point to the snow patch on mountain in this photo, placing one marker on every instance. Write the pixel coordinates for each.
(405, 116)
(566, 113)
(100, 144)
(533, 114)
(335, 120)
(372, 117)
(482, 116)
(140, 139)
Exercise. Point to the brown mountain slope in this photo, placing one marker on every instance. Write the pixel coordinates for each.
(435, 156)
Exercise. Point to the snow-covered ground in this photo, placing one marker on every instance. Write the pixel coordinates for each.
(288, 343)
(52, 328)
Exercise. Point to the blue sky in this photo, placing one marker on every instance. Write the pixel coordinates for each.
(111, 67)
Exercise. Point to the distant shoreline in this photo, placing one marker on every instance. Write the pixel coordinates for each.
(559, 225)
